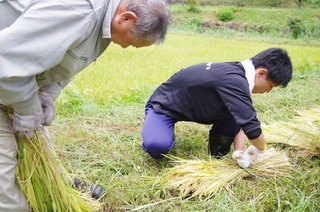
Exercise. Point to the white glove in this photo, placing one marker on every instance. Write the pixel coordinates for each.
(48, 107)
(26, 124)
(243, 158)
(255, 154)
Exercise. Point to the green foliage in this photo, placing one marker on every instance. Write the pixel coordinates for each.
(313, 31)
(296, 26)
(225, 14)
(193, 6)
(255, 3)
(273, 23)
(314, 3)
(194, 24)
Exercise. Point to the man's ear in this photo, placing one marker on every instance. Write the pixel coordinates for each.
(127, 17)
(262, 72)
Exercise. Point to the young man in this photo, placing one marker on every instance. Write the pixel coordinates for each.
(43, 45)
(217, 94)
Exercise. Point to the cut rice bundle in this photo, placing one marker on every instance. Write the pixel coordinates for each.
(42, 177)
(312, 114)
(200, 178)
(303, 133)
(44, 180)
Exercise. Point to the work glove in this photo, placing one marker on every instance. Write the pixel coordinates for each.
(54, 89)
(27, 116)
(26, 124)
(48, 108)
(255, 154)
(243, 158)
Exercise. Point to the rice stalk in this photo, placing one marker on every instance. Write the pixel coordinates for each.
(303, 133)
(44, 180)
(203, 179)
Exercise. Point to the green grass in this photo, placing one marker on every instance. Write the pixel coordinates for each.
(100, 114)
(271, 22)
(112, 81)
(261, 16)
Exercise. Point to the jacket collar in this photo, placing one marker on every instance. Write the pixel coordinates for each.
(106, 25)
(250, 73)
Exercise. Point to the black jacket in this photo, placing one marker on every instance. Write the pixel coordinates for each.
(207, 92)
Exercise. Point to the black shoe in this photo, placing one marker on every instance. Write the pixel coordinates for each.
(219, 145)
(96, 191)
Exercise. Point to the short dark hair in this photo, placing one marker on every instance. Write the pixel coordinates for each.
(278, 64)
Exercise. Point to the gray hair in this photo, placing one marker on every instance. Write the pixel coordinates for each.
(153, 19)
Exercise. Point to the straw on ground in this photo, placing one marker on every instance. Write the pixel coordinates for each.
(202, 179)
(302, 133)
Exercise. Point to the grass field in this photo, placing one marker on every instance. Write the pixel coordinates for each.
(100, 114)
(263, 23)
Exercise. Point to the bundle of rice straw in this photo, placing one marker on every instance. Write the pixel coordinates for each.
(44, 180)
(42, 177)
(303, 133)
(200, 178)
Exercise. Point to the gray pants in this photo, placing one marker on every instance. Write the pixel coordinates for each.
(11, 198)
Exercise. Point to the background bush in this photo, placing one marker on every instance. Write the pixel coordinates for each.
(273, 23)
(225, 14)
(193, 6)
(296, 27)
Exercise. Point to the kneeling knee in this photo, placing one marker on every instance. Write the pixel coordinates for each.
(156, 149)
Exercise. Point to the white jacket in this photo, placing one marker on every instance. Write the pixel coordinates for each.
(52, 38)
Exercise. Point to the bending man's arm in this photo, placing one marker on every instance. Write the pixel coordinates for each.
(36, 42)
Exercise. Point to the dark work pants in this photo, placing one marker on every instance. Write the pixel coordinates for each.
(226, 127)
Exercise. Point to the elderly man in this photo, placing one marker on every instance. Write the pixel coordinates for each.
(43, 45)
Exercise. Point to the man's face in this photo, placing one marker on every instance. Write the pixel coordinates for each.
(121, 26)
(262, 84)
(128, 39)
